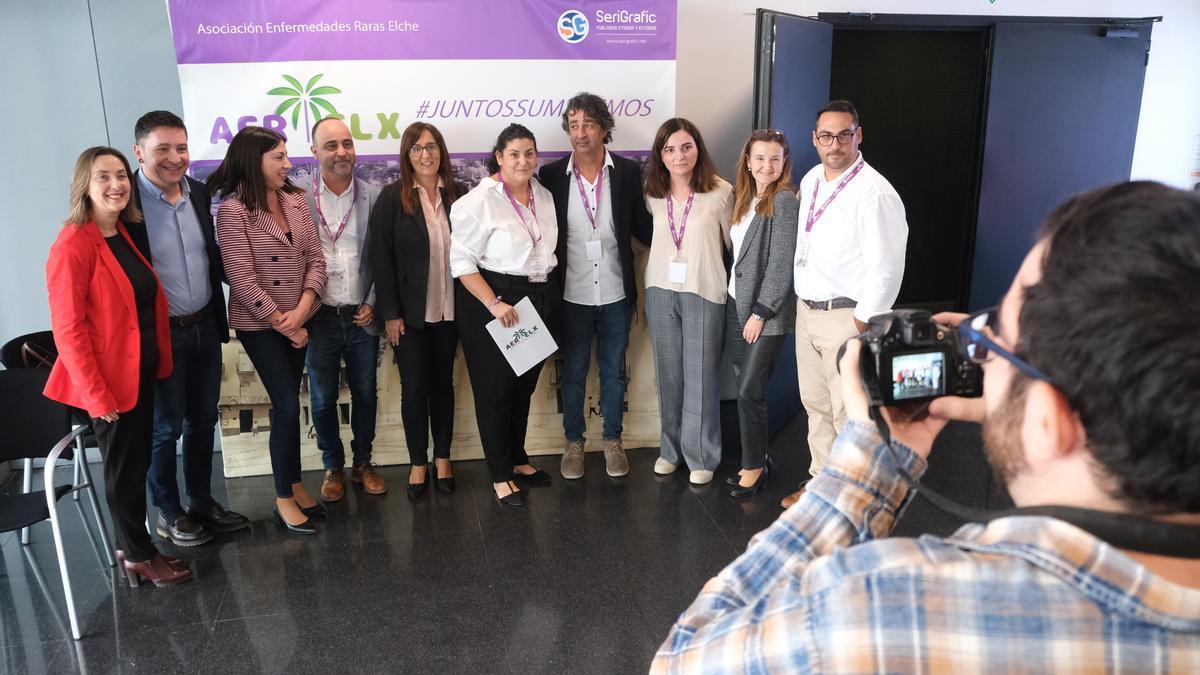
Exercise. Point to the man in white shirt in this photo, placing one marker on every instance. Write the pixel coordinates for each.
(600, 207)
(345, 327)
(849, 265)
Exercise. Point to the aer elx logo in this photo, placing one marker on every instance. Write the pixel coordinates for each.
(572, 26)
(305, 98)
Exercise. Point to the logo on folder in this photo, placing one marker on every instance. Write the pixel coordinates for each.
(572, 26)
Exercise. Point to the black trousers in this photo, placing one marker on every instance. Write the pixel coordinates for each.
(752, 367)
(279, 366)
(501, 397)
(425, 357)
(125, 448)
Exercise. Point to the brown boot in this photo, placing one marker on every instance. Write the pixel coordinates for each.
(372, 482)
(333, 487)
(791, 499)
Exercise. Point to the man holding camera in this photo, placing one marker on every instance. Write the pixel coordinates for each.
(848, 266)
(1091, 376)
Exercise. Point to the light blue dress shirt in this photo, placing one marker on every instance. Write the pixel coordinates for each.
(177, 246)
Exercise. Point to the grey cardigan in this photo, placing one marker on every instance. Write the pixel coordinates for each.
(763, 269)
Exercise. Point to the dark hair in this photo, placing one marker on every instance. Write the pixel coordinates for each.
(745, 187)
(838, 106)
(241, 170)
(1113, 322)
(319, 122)
(80, 209)
(658, 179)
(511, 133)
(594, 107)
(153, 120)
(407, 180)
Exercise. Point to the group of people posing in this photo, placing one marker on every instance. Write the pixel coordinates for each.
(318, 271)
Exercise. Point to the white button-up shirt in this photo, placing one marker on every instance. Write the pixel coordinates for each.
(856, 249)
(592, 282)
(341, 258)
(737, 234)
(487, 233)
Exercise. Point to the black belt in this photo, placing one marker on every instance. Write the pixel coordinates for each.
(826, 305)
(340, 310)
(190, 319)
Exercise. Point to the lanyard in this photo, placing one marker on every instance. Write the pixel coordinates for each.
(534, 234)
(587, 206)
(333, 237)
(677, 235)
(812, 219)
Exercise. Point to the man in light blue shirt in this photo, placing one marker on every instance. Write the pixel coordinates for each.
(177, 237)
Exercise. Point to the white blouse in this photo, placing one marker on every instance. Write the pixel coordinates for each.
(738, 234)
(487, 232)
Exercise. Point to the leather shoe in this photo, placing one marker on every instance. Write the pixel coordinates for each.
(333, 486)
(177, 563)
(183, 532)
(372, 482)
(514, 498)
(791, 499)
(442, 484)
(538, 478)
(764, 478)
(415, 490)
(218, 519)
(303, 528)
(314, 511)
(155, 570)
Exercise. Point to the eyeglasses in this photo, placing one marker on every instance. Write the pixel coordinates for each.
(826, 139)
(431, 148)
(978, 343)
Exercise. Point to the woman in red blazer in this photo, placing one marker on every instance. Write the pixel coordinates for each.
(109, 317)
(276, 271)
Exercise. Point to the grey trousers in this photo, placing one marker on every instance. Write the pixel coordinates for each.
(687, 333)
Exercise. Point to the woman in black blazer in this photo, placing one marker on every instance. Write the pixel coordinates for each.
(414, 294)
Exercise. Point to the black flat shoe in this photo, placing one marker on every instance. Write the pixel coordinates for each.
(442, 484)
(314, 511)
(512, 499)
(303, 528)
(764, 478)
(218, 519)
(538, 478)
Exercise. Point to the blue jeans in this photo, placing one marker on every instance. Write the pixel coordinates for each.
(610, 324)
(186, 405)
(333, 337)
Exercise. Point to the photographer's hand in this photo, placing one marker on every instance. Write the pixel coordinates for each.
(913, 425)
(955, 407)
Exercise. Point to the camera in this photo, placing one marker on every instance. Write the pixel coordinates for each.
(907, 358)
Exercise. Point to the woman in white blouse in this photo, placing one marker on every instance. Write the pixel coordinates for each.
(685, 296)
(504, 232)
(761, 308)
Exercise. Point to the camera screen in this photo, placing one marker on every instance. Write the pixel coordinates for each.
(918, 375)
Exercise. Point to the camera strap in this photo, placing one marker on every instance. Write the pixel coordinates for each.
(1120, 530)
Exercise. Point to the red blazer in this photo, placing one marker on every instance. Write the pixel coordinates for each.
(266, 271)
(94, 318)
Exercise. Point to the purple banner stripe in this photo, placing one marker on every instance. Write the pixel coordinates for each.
(542, 157)
(255, 31)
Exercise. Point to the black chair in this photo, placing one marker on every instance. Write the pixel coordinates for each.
(30, 423)
(29, 351)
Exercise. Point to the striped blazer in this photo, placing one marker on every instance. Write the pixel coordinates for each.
(267, 272)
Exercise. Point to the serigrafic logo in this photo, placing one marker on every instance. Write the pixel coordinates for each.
(305, 98)
(572, 26)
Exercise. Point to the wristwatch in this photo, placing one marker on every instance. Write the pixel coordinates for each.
(755, 316)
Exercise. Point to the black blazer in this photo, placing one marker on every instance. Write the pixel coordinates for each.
(400, 256)
(630, 216)
(202, 203)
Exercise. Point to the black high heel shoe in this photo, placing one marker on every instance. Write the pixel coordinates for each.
(764, 479)
(314, 511)
(442, 484)
(415, 490)
(303, 528)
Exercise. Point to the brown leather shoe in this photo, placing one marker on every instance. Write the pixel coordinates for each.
(791, 499)
(157, 571)
(372, 483)
(333, 487)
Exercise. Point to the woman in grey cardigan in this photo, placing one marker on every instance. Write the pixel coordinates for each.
(761, 307)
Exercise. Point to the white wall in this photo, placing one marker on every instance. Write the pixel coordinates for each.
(54, 74)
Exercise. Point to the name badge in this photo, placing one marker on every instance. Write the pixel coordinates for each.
(677, 270)
(802, 250)
(593, 248)
(538, 269)
(335, 265)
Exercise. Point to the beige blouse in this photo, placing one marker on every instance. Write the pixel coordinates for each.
(707, 230)
(439, 292)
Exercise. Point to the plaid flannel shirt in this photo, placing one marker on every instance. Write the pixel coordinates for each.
(821, 590)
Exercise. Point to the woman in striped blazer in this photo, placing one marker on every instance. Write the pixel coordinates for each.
(276, 273)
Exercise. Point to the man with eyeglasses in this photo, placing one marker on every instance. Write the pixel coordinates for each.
(345, 327)
(848, 266)
(1091, 381)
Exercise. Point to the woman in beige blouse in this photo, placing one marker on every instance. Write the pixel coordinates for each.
(685, 295)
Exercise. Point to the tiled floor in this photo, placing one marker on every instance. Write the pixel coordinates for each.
(587, 579)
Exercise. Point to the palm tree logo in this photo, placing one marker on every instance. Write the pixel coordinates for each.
(306, 98)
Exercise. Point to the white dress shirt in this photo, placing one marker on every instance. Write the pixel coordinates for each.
(592, 282)
(737, 233)
(856, 248)
(341, 258)
(487, 233)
